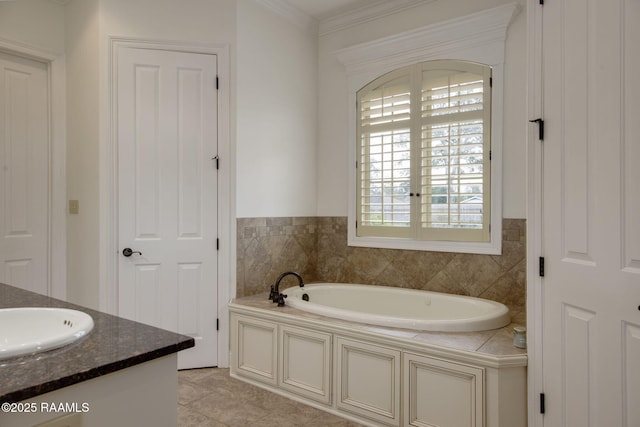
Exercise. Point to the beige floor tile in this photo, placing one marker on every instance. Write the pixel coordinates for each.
(211, 398)
(189, 418)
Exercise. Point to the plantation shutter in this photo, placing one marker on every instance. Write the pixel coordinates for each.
(384, 163)
(455, 146)
(423, 153)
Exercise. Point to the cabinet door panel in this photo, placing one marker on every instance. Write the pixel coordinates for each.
(255, 344)
(369, 380)
(442, 393)
(305, 365)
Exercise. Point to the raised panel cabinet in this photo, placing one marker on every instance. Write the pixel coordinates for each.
(376, 379)
(368, 380)
(442, 393)
(255, 346)
(305, 365)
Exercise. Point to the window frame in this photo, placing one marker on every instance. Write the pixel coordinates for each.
(491, 247)
(478, 37)
(411, 79)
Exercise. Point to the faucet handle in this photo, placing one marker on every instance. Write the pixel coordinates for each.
(281, 298)
(272, 294)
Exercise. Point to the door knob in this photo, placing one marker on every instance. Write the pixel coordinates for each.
(128, 252)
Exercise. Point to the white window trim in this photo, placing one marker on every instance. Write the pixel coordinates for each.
(479, 37)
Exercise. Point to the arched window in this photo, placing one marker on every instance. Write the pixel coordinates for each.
(423, 152)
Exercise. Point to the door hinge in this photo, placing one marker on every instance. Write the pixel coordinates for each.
(541, 266)
(490, 154)
(217, 324)
(217, 244)
(490, 81)
(541, 2)
(542, 408)
(217, 159)
(540, 128)
(217, 83)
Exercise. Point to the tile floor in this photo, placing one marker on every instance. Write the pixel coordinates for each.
(211, 398)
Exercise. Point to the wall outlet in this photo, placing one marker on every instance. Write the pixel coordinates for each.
(74, 207)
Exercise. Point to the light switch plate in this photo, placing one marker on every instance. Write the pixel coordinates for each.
(74, 207)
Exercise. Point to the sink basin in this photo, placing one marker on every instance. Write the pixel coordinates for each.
(31, 330)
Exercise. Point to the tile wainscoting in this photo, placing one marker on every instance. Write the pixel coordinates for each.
(317, 248)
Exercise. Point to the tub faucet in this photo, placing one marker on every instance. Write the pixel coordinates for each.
(275, 295)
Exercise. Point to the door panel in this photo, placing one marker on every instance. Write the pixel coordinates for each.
(631, 129)
(167, 191)
(578, 365)
(590, 236)
(24, 190)
(631, 375)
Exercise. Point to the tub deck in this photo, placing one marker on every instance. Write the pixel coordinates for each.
(494, 342)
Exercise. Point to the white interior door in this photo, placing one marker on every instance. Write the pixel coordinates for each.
(591, 213)
(167, 194)
(24, 190)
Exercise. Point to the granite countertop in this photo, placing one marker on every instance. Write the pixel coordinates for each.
(495, 342)
(113, 344)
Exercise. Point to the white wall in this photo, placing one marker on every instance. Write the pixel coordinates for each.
(199, 21)
(37, 23)
(82, 48)
(333, 98)
(277, 115)
(89, 25)
(288, 101)
(275, 108)
(514, 149)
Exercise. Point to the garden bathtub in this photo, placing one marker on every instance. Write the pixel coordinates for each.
(399, 307)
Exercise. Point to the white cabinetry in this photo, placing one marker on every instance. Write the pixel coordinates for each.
(376, 379)
(305, 363)
(255, 346)
(141, 395)
(294, 359)
(369, 380)
(442, 393)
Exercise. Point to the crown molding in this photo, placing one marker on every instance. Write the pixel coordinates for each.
(293, 14)
(28, 50)
(375, 10)
(436, 41)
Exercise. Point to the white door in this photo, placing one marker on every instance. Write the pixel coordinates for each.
(591, 213)
(24, 190)
(167, 195)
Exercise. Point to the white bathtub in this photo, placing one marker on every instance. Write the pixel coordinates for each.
(399, 308)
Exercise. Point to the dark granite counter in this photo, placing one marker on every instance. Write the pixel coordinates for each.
(112, 345)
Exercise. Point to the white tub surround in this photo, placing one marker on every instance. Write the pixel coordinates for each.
(399, 308)
(380, 376)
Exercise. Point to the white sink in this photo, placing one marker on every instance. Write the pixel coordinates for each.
(31, 330)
